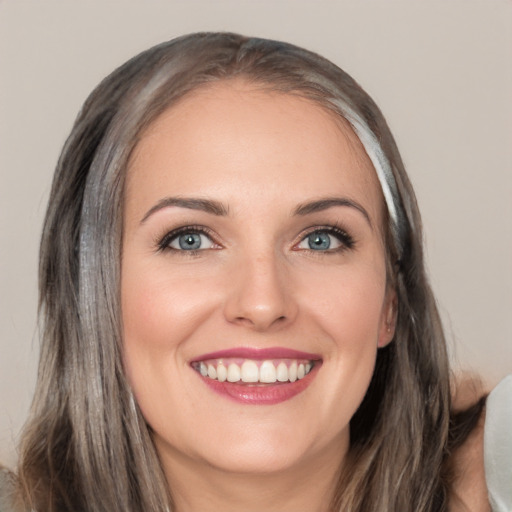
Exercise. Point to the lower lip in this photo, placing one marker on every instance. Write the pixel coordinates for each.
(261, 394)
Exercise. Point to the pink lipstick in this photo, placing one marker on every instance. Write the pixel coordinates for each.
(257, 376)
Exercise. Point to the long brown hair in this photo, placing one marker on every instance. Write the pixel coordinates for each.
(86, 445)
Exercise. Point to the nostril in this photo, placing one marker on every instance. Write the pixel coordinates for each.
(260, 321)
(259, 300)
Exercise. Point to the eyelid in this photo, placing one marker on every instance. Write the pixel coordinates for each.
(163, 242)
(342, 235)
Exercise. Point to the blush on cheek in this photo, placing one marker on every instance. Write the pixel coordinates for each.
(160, 314)
(146, 307)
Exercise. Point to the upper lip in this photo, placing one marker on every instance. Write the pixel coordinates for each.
(259, 354)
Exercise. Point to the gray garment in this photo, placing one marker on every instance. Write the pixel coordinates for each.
(498, 446)
(6, 487)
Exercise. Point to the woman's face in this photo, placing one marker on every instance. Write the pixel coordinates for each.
(253, 250)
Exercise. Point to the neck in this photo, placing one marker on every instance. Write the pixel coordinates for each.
(198, 487)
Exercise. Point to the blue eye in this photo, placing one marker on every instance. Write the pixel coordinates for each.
(188, 242)
(187, 239)
(319, 241)
(326, 240)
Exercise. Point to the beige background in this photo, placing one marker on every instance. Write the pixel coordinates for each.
(440, 70)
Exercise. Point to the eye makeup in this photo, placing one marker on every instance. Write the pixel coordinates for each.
(187, 239)
(192, 239)
(326, 239)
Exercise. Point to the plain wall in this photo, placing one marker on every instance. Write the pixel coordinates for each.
(440, 70)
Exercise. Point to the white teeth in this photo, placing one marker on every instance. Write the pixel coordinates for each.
(253, 371)
(249, 372)
(292, 372)
(233, 373)
(212, 372)
(222, 372)
(282, 372)
(268, 372)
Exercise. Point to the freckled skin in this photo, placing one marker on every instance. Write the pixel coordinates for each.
(255, 284)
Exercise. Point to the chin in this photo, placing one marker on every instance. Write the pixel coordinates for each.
(269, 448)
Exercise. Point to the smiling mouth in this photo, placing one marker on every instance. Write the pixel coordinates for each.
(258, 376)
(254, 371)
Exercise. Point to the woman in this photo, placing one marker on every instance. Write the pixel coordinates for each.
(235, 304)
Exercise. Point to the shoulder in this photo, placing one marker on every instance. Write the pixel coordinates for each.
(483, 463)
(497, 441)
(469, 487)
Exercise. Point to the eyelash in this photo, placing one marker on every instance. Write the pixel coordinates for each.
(163, 243)
(347, 241)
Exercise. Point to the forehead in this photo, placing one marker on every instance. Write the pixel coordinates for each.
(236, 132)
(225, 98)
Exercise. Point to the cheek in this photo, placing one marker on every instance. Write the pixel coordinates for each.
(159, 308)
(348, 307)
(160, 313)
(348, 303)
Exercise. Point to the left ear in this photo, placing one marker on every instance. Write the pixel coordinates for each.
(388, 319)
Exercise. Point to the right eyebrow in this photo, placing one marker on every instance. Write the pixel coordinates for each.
(331, 202)
(192, 203)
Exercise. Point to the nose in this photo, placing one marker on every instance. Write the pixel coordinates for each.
(260, 294)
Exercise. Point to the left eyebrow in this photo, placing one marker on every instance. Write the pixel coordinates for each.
(330, 202)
